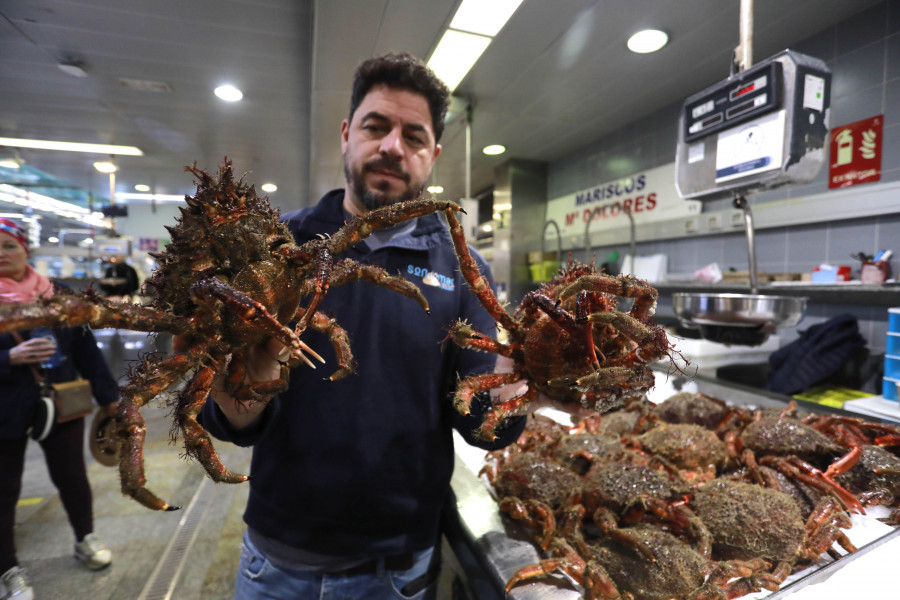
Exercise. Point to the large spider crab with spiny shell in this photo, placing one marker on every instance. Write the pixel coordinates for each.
(232, 277)
(567, 339)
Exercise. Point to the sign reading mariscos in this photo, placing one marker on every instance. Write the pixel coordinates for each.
(649, 196)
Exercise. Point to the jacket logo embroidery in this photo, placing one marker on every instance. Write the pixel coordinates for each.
(432, 278)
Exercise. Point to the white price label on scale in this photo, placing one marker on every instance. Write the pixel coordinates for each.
(753, 147)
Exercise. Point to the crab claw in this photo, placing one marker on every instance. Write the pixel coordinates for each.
(298, 353)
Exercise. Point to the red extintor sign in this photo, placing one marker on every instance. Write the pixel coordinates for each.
(855, 153)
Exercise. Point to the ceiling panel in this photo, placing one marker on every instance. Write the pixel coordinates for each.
(554, 80)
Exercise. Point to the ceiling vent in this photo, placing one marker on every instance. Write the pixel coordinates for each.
(145, 85)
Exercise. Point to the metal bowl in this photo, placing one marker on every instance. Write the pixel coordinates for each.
(738, 310)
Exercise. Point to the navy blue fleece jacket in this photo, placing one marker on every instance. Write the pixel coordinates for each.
(19, 392)
(362, 466)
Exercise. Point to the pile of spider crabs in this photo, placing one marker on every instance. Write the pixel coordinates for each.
(692, 498)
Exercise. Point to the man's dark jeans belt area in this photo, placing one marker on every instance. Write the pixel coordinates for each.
(398, 562)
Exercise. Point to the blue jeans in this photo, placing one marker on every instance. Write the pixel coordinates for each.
(259, 579)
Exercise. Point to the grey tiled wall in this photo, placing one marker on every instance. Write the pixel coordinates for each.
(863, 53)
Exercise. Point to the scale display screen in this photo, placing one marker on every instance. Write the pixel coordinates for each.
(750, 94)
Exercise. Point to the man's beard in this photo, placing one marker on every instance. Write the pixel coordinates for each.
(373, 199)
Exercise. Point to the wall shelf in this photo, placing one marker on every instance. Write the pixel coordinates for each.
(865, 294)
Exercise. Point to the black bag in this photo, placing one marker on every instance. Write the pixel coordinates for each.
(819, 352)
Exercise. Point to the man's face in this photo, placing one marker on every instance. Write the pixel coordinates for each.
(389, 149)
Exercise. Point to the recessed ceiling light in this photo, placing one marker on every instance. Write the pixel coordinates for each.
(648, 40)
(269, 187)
(494, 149)
(53, 239)
(106, 166)
(9, 163)
(142, 187)
(435, 189)
(229, 93)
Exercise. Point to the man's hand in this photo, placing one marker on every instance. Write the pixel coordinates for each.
(507, 392)
(263, 364)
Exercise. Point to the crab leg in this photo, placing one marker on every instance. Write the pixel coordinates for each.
(196, 441)
(151, 379)
(320, 281)
(341, 342)
(348, 270)
(477, 282)
(493, 418)
(69, 310)
(386, 216)
(463, 335)
(467, 388)
(567, 560)
(805, 472)
(627, 287)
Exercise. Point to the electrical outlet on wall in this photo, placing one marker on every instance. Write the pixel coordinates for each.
(737, 219)
(690, 225)
(714, 222)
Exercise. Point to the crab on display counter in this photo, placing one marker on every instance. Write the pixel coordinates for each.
(706, 490)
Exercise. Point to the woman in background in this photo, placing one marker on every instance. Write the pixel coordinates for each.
(19, 399)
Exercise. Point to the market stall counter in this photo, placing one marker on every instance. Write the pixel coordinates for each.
(491, 547)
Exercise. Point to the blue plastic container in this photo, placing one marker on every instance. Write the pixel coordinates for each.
(892, 366)
(889, 388)
(893, 344)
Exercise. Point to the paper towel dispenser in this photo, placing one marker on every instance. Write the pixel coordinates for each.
(761, 128)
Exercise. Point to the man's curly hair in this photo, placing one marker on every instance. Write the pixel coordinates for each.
(406, 72)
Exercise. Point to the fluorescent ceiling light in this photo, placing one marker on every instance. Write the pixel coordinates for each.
(71, 146)
(142, 187)
(269, 187)
(9, 163)
(106, 166)
(435, 189)
(485, 17)
(455, 54)
(494, 149)
(154, 197)
(28, 199)
(469, 34)
(229, 93)
(648, 40)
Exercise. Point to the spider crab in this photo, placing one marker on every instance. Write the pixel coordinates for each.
(567, 339)
(231, 278)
